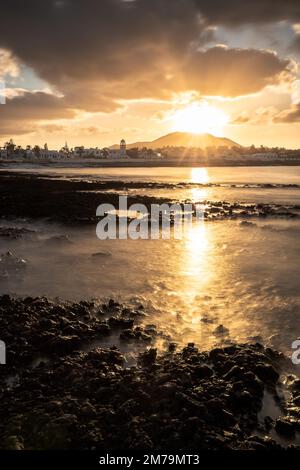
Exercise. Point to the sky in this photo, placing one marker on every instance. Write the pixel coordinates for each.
(91, 72)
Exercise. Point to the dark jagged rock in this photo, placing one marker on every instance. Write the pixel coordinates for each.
(75, 202)
(92, 400)
(148, 358)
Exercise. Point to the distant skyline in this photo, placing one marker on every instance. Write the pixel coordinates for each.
(92, 72)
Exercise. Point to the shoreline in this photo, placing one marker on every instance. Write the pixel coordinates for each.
(89, 163)
(93, 370)
(75, 202)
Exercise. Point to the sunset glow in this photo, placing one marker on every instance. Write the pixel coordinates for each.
(200, 119)
(149, 230)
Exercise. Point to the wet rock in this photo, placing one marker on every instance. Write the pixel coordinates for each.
(235, 372)
(88, 410)
(221, 330)
(63, 344)
(119, 322)
(85, 400)
(296, 400)
(110, 356)
(172, 347)
(136, 334)
(296, 385)
(285, 427)
(127, 335)
(148, 358)
(269, 423)
(266, 373)
(203, 371)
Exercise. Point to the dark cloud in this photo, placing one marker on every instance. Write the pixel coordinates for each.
(37, 105)
(237, 13)
(295, 46)
(97, 52)
(19, 114)
(232, 72)
(89, 38)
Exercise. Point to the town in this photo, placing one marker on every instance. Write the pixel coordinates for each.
(10, 151)
(226, 155)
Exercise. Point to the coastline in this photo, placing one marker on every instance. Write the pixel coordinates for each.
(89, 394)
(75, 202)
(91, 163)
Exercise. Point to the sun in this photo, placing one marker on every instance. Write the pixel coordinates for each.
(200, 118)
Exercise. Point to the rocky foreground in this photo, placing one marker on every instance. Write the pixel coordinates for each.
(60, 391)
(74, 202)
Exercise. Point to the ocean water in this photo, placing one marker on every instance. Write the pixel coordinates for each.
(242, 276)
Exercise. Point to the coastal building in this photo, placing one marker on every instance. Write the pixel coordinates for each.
(119, 153)
(45, 153)
(149, 154)
(82, 152)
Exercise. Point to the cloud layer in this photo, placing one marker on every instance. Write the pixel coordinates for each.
(96, 53)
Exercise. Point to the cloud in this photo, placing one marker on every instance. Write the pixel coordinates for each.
(295, 46)
(20, 113)
(84, 39)
(262, 115)
(290, 115)
(67, 129)
(37, 105)
(236, 13)
(8, 64)
(268, 115)
(9, 129)
(96, 54)
(234, 72)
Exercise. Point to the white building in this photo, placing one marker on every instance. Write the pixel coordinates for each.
(118, 153)
(45, 153)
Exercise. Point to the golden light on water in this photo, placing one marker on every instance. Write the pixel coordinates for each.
(199, 175)
(200, 118)
(196, 246)
(197, 271)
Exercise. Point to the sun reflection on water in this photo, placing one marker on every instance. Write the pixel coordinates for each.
(197, 271)
(197, 243)
(199, 175)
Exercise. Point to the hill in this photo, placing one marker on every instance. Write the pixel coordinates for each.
(184, 139)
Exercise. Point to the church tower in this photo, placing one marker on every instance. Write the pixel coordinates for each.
(123, 148)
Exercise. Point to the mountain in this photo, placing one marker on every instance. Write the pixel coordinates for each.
(184, 139)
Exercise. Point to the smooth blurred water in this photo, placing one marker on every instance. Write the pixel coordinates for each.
(244, 277)
(237, 175)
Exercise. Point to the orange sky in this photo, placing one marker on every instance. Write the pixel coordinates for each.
(135, 66)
